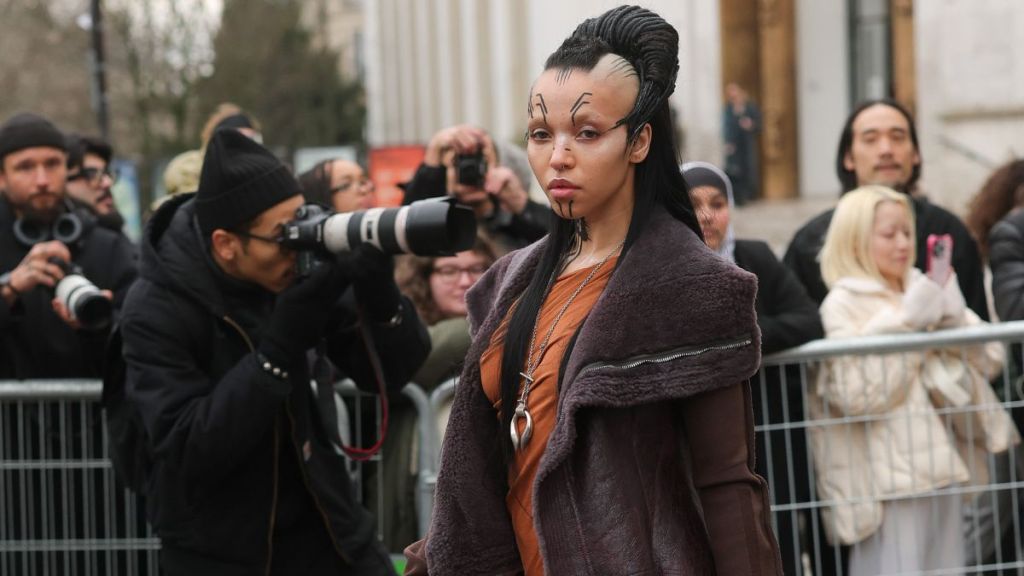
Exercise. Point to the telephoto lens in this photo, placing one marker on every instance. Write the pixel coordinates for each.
(84, 301)
(432, 227)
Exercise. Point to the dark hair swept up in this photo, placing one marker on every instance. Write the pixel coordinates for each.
(848, 178)
(651, 46)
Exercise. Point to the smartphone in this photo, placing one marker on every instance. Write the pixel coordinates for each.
(940, 257)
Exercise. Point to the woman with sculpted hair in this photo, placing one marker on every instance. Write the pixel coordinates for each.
(602, 423)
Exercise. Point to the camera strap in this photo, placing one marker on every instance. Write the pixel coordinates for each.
(324, 376)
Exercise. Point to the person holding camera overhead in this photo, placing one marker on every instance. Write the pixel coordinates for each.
(462, 161)
(42, 237)
(215, 339)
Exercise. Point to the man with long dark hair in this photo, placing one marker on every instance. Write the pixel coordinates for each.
(878, 145)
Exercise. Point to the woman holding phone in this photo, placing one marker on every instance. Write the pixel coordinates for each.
(886, 468)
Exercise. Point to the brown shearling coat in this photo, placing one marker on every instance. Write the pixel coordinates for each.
(649, 469)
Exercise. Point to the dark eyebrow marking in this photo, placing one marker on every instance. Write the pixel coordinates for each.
(529, 106)
(579, 104)
(543, 106)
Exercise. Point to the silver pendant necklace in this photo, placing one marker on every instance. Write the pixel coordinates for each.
(522, 413)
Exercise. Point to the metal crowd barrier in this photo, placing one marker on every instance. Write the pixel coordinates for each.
(811, 410)
(62, 509)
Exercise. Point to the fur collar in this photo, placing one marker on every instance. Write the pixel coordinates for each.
(670, 292)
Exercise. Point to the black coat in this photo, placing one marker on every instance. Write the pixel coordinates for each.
(802, 254)
(787, 317)
(512, 231)
(1006, 257)
(240, 457)
(34, 341)
(785, 313)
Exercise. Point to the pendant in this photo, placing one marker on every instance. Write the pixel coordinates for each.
(521, 414)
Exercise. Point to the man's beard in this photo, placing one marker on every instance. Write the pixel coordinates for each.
(41, 215)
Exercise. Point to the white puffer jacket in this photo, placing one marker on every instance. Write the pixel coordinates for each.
(875, 434)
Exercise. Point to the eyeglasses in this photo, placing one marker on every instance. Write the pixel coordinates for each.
(245, 234)
(362, 183)
(94, 175)
(452, 273)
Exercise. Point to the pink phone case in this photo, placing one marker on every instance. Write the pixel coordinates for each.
(940, 257)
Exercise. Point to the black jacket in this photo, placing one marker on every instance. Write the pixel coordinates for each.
(241, 459)
(512, 231)
(1006, 257)
(802, 254)
(34, 341)
(786, 315)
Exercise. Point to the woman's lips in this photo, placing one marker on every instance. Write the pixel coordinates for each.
(561, 189)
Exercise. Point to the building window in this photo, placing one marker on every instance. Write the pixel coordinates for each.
(870, 50)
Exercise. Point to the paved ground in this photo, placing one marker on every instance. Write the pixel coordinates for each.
(776, 221)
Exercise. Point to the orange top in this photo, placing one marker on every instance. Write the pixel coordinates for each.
(542, 402)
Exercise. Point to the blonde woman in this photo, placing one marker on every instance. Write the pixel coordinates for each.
(883, 468)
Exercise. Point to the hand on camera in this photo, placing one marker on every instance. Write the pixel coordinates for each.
(36, 269)
(953, 304)
(463, 139)
(503, 184)
(922, 303)
(374, 273)
(301, 313)
(65, 314)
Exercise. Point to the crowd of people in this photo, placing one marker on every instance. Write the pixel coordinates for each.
(605, 342)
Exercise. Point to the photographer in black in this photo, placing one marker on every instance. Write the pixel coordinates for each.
(463, 162)
(39, 336)
(216, 336)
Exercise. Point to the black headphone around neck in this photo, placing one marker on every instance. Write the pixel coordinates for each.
(68, 228)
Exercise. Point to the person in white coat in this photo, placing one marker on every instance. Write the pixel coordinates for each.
(885, 459)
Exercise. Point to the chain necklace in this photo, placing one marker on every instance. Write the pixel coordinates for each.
(522, 412)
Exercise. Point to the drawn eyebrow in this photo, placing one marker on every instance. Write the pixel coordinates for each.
(579, 104)
(543, 106)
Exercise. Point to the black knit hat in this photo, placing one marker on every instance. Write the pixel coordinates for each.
(239, 180)
(28, 130)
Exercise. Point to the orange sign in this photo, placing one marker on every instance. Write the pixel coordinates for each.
(390, 166)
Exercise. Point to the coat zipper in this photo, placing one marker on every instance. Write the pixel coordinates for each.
(316, 499)
(277, 451)
(668, 356)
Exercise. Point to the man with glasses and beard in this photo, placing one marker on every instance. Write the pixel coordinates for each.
(91, 179)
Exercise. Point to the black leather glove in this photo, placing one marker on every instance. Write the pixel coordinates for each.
(301, 312)
(374, 278)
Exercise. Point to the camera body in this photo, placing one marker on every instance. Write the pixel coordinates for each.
(471, 169)
(433, 227)
(82, 299)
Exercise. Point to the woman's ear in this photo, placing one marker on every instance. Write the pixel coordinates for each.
(641, 146)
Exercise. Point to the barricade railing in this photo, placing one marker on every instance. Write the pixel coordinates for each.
(856, 436)
(63, 511)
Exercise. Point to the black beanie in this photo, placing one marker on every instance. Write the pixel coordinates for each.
(239, 180)
(27, 130)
